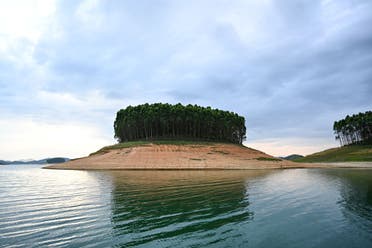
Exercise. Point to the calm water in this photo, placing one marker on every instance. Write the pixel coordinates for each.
(281, 208)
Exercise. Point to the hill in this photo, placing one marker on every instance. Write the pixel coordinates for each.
(292, 157)
(351, 153)
(56, 160)
(176, 155)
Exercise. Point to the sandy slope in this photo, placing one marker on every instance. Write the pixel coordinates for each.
(213, 156)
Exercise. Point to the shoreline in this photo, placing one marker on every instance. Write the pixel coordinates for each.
(355, 165)
(347, 165)
(211, 156)
(208, 156)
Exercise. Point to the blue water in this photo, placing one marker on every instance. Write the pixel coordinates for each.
(277, 208)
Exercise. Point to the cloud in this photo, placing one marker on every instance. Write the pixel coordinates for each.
(25, 19)
(290, 67)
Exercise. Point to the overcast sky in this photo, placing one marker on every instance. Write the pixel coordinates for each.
(290, 68)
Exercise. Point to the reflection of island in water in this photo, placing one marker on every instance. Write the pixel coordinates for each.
(355, 189)
(155, 205)
(356, 193)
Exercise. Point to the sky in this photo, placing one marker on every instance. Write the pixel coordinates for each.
(291, 68)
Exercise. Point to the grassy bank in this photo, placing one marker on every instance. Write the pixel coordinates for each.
(156, 142)
(352, 153)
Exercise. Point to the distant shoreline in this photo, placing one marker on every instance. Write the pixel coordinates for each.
(52, 160)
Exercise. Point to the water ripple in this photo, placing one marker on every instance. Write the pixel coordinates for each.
(283, 208)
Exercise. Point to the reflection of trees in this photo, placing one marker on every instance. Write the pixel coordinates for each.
(356, 192)
(155, 205)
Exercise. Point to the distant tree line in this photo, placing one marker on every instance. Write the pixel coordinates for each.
(355, 129)
(166, 121)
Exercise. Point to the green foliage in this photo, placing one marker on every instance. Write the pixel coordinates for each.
(355, 129)
(55, 160)
(351, 153)
(268, 159)
(293, 157)
(174, 122)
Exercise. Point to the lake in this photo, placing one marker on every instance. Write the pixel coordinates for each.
(258, 208)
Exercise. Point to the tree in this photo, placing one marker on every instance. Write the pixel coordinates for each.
(355, 129)
(166, 121)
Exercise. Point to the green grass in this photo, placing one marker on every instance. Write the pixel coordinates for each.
(268, 159)
(157, 142)
(120, 146)
(352, 153)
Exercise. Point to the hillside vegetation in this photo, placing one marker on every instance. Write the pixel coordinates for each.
(351, 153)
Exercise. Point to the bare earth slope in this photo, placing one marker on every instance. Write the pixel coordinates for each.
(168, 156)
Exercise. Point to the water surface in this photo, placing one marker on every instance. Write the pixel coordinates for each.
(276, 208)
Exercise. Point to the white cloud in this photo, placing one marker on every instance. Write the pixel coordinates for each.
(288, 67)
(92, 99)
(25, 19)
(89, 14)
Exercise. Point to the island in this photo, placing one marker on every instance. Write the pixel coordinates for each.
(165, 136)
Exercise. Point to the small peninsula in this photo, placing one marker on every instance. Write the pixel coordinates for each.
(176, 155)
(349, 153)
(355, 136)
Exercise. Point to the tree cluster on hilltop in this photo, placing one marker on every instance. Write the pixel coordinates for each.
(166, 121)
(355, 129)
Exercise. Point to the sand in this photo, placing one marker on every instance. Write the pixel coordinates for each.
(180, 157)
